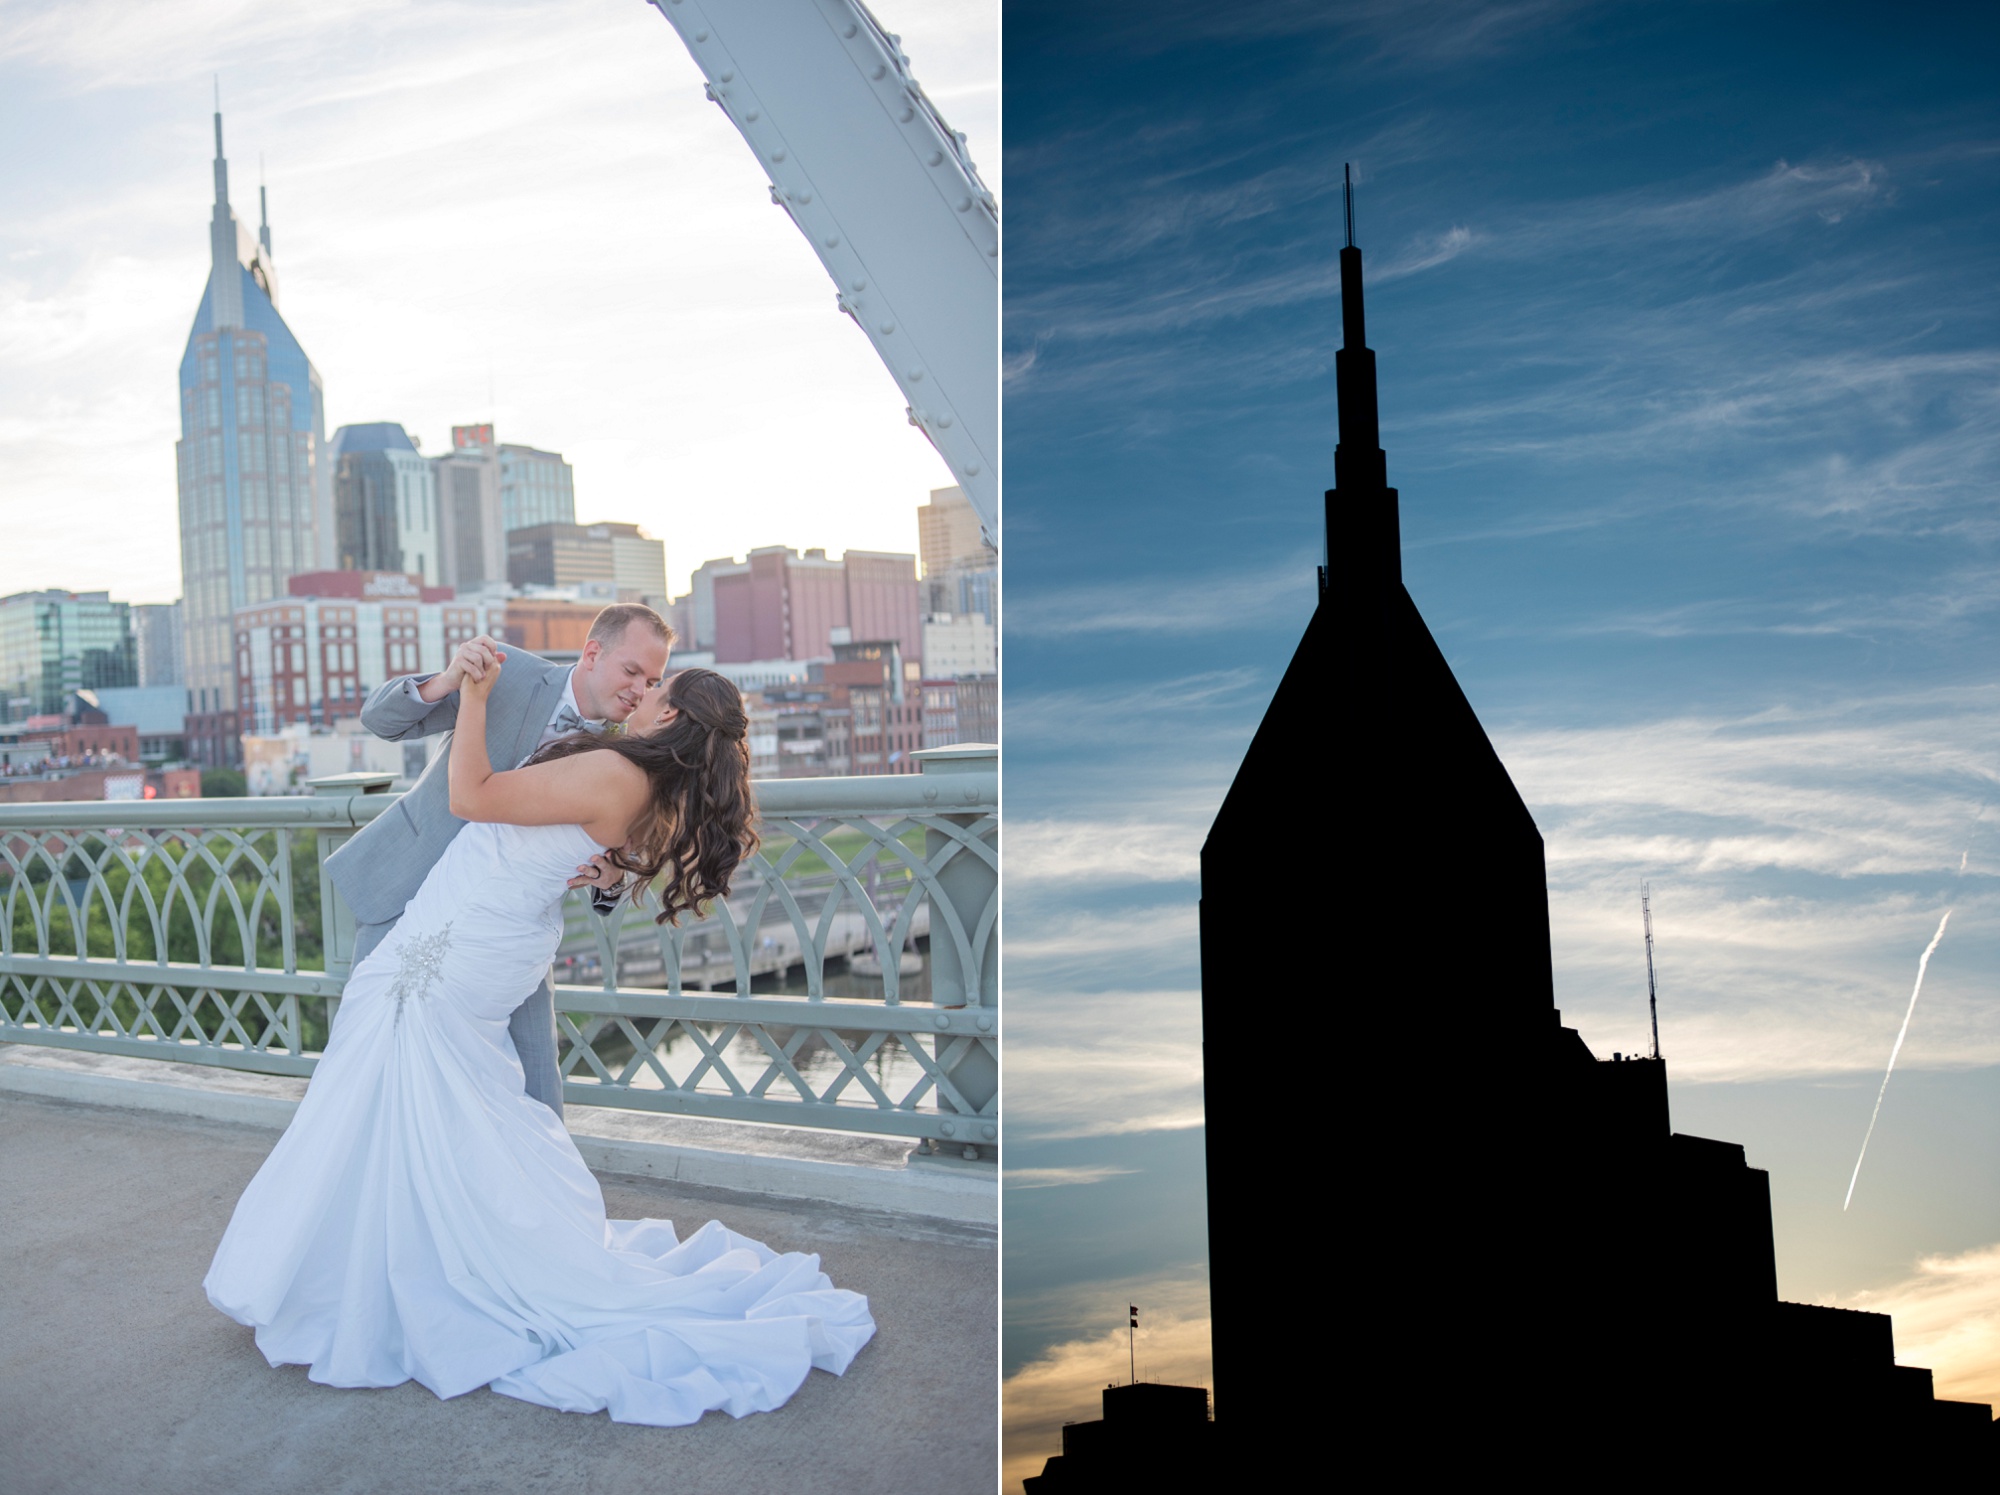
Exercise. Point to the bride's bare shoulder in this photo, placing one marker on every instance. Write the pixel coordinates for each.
(603, 768)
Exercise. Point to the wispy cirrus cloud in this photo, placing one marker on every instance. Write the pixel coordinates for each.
(1425, 252)
(1105, 1063)
(1044, 853)
(1063, 1178)
(1165, 606)
(1194, 705)
(1799, 856)
(1203, 281)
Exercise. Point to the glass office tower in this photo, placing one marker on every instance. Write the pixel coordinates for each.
(55, 642)
(255, 497)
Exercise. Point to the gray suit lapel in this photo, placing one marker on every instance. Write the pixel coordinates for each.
(535, 715)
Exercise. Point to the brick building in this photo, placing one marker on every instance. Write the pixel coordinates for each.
(314, 656)
(783, 605)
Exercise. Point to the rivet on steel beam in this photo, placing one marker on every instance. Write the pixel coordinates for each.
(943, 1021)
(878, 72)
(887, 328)
(727, 76)
(965, 205)
(989, 1132)
(848, 30)
(859, 286)
(751, 116)
(833, 241)
(944, 422)
(701, 36)
(778, 154)
(986, 1025)
(915, 374)
(972, 469)
(907, 115)
(948, 1129)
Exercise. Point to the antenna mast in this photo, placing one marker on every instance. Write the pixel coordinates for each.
(1652, 989)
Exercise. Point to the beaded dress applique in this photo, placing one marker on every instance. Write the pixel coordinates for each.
(417, 966)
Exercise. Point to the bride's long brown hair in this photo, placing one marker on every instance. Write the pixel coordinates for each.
(701, 820)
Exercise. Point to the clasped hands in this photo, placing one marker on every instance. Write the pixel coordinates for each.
(475, 668)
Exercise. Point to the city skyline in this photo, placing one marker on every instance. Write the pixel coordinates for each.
(1684, 332)
(444, 271)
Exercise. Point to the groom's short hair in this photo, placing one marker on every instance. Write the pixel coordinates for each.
(610, 625)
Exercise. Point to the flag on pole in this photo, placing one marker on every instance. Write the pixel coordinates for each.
(1134, 1308)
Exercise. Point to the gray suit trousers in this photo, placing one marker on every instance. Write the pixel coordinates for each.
(532, 1027)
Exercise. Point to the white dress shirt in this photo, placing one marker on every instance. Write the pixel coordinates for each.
(567, 703)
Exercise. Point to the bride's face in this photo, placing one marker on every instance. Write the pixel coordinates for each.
(654, 711)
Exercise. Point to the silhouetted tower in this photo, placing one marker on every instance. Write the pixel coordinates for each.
(1652, 988)
(1430, 1128)
(1371, 740)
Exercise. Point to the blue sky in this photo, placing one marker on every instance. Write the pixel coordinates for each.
(1689, 339)
(523, 211)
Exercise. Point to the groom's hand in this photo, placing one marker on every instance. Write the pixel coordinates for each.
(597, 873)
(475, 659)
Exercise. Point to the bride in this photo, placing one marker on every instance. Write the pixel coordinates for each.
(423, 1218)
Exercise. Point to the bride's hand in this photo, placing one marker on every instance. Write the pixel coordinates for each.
(480, 687)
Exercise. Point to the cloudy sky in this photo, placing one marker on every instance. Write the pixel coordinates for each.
(1690, 379)
(523, 211)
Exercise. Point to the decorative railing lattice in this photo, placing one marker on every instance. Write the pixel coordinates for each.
(199, 931)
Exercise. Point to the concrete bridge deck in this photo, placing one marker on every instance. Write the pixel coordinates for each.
(116, 1375)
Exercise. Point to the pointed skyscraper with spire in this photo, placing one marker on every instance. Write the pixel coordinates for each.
(1532, 1270)
(1370, 725)
(256, 500)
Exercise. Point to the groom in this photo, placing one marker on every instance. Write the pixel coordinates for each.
(534, 702)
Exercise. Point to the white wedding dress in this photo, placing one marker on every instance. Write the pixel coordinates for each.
(424, 1218)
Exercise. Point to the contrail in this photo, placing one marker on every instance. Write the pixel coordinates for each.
(1923, 963)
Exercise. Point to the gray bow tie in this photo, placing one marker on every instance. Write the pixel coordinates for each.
(567, 721)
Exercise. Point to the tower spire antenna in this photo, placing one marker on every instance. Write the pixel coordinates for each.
(225, 298)
(1652, 989)
(1363, 545)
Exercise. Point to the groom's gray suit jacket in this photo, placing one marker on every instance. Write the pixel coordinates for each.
(380, 869)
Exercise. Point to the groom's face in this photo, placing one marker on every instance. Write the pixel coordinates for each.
(610, 679)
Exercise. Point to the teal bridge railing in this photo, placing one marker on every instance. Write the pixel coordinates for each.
(205, 931)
